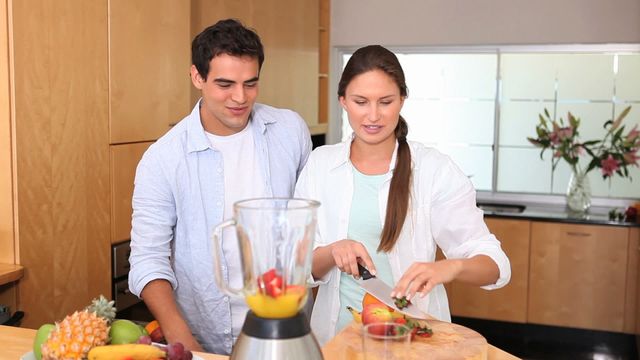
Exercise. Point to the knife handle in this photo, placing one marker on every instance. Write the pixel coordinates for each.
(364, 273)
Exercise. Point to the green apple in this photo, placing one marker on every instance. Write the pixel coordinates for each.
(41, 336)
(144, 331)
(124, 332)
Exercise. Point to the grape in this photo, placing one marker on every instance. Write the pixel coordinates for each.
(175, 351)
(144, 339)
(188, 355)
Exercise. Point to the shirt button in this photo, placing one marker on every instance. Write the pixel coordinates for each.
(226, 299)
(226, 331)
(219, 170)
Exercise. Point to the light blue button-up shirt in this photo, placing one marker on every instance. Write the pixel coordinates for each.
(178, 199)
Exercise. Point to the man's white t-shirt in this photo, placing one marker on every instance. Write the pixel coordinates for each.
(243, 179)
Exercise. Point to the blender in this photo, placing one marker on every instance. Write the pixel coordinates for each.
(275, 240)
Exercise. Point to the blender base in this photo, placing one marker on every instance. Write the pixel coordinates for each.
(278, 339)
(305, 347)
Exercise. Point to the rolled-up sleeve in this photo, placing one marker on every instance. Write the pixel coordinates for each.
(458, 225)
(153, 221)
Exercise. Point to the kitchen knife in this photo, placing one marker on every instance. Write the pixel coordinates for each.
(380, 290)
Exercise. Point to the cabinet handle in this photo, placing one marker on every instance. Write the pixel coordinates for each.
(173, 124)
(576, 233)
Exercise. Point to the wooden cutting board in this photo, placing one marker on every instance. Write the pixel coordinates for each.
(449, 341)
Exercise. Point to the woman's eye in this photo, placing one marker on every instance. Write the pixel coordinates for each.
(386, 102)
(359, 102)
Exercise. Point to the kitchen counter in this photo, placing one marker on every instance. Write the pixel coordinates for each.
(10, 272)
(551, 213)
(15, 342)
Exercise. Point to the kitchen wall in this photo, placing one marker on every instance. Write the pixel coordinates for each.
(356, 23)
(459, 22)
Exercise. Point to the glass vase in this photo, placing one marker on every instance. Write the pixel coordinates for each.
(579, 192)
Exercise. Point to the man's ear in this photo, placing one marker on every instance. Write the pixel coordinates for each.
(196, 78)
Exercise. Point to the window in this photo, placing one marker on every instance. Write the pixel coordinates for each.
(479, 106)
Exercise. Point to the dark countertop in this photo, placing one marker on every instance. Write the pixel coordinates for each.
(551, 213)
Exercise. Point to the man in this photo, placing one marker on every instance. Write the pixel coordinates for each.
(228, 149)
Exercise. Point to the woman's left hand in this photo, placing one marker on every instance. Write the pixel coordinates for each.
(422, 277)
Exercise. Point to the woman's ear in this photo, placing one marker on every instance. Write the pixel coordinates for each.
(196, 78)
(343, 102)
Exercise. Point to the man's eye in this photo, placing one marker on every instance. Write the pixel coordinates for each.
(251, 85)
(224, 85)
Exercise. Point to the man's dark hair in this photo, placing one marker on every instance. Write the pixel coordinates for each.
(225, 37)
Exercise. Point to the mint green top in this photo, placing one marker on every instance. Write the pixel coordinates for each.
(364, 226)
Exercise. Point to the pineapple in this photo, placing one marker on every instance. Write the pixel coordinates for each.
(74, 336)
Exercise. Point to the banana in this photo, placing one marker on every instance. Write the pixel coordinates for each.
(128, 351)
(357, 315)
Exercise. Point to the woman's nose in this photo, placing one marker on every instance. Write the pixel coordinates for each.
(374, 113)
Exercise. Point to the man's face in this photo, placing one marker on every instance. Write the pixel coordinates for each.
(228, 94)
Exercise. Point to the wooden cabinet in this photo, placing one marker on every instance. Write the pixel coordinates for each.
(289, 33)
(578, 275)
(510, 302)
(124, 160)
(149, 61)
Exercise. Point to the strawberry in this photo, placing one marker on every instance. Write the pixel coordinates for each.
(271, 282)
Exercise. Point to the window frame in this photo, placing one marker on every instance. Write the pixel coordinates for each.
(495, 196)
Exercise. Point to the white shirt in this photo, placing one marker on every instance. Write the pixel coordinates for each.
(240, 183)
(442, 213)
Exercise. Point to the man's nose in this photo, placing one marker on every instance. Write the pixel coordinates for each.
(239, 95)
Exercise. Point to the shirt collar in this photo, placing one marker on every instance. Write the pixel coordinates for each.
(197, 138)
(343, 158)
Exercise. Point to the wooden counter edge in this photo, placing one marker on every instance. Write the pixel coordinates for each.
(15, 342)
(10, 272)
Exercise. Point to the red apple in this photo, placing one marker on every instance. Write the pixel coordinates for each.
(377, 313)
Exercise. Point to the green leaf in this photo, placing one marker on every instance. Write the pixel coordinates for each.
(546, 112)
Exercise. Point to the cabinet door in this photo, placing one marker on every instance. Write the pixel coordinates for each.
(510, 302)
(124, 160)
(578, 275)
(149, 60)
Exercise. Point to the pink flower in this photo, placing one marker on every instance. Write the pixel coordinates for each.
(633, 134)
(609, 166)
(631, 157)
(565, 133)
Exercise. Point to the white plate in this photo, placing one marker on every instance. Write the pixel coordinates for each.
(31, 356)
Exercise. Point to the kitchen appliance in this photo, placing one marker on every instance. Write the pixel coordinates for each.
(129, 306)
(275, 241)
(381, 291)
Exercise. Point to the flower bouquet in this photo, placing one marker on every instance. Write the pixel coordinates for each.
(613, 154)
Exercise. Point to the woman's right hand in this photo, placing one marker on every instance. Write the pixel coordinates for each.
(348, 253)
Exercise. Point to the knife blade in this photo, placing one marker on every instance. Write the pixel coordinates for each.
(380, 290)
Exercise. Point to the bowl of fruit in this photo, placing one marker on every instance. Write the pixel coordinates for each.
(94, 333)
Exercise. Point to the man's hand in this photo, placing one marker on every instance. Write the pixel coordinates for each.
(158, 296)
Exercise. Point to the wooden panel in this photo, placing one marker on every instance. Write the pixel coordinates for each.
(289, 30)
(149, 55)
(510, 302)
(631, 298)
(124, 160)
(62, 152)
(577, 275)
(7, 255)
(289, 33)
(324, 49)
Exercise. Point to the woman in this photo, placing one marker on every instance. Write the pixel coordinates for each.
(388, 203)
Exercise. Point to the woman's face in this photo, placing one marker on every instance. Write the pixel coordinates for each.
(373, 102)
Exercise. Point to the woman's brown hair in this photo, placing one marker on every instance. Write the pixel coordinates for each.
(376, 57)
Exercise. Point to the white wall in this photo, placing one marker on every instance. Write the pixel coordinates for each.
(391, 23)
(474, 22)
